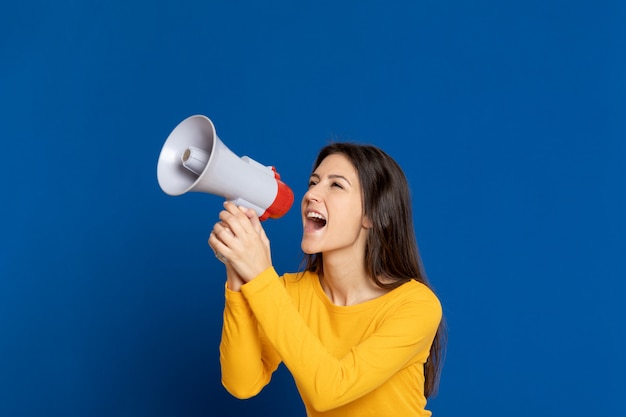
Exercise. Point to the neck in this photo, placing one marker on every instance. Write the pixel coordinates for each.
(346, 283)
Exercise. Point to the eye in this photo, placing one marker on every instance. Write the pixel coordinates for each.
(312, 183)
(338, 185)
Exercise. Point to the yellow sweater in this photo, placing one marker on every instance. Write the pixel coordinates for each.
(361, 360)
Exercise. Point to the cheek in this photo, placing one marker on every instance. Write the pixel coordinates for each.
(302, 207)
(350, 220)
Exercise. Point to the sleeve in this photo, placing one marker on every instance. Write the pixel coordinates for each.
(329, 382)
(247, 360)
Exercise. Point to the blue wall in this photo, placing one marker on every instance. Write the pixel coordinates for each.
(508, 120)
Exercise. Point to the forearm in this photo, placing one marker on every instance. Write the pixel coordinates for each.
(246, 362)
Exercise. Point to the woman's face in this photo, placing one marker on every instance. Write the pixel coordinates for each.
(332, 210)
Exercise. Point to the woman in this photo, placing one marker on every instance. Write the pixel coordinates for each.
(360, 330)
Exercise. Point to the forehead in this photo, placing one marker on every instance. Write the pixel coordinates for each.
(337, 164)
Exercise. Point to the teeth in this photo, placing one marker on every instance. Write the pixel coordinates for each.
(313, 215)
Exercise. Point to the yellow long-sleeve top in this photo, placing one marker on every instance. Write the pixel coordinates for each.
(360, 360)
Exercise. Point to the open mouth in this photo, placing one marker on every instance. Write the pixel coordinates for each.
(315, 221)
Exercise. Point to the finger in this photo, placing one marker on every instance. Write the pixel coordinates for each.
(247, 211)
(257, 226)
(219, 248)
(223, 233)
(256, 222)
(233, 218)
(215, 243)
(232, 208)
(221, 258)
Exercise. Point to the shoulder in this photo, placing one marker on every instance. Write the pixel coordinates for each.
(298, 278)
(297, 284)
(417, 291)
(416, 298)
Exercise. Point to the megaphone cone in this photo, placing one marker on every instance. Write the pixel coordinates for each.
(193, 158)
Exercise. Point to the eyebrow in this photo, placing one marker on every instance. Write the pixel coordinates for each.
(332, 176)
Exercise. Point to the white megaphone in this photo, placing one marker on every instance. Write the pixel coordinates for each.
(193, 158)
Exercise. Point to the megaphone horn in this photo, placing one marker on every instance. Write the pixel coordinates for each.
(193, 158)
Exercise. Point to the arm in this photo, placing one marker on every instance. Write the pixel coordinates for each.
(329, 382)
(247, 360)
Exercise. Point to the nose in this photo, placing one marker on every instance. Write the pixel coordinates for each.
(311, 195)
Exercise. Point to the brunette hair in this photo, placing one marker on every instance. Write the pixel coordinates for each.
(391, 248)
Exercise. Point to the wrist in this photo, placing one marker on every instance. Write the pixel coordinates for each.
(233, 279)
(233, 286)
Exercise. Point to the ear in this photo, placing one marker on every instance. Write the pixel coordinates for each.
(366, 223)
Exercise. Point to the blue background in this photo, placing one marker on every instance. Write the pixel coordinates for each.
(508, 118)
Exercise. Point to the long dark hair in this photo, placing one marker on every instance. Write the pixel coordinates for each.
(391, 248)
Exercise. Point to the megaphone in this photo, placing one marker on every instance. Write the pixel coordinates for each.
(193, 158)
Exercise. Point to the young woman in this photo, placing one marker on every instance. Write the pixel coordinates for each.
(360, 330)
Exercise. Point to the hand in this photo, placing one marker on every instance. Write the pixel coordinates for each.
(239, 239)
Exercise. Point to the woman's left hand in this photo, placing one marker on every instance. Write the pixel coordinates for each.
(240, 239)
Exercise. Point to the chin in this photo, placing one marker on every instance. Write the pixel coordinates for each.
(307, 249)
